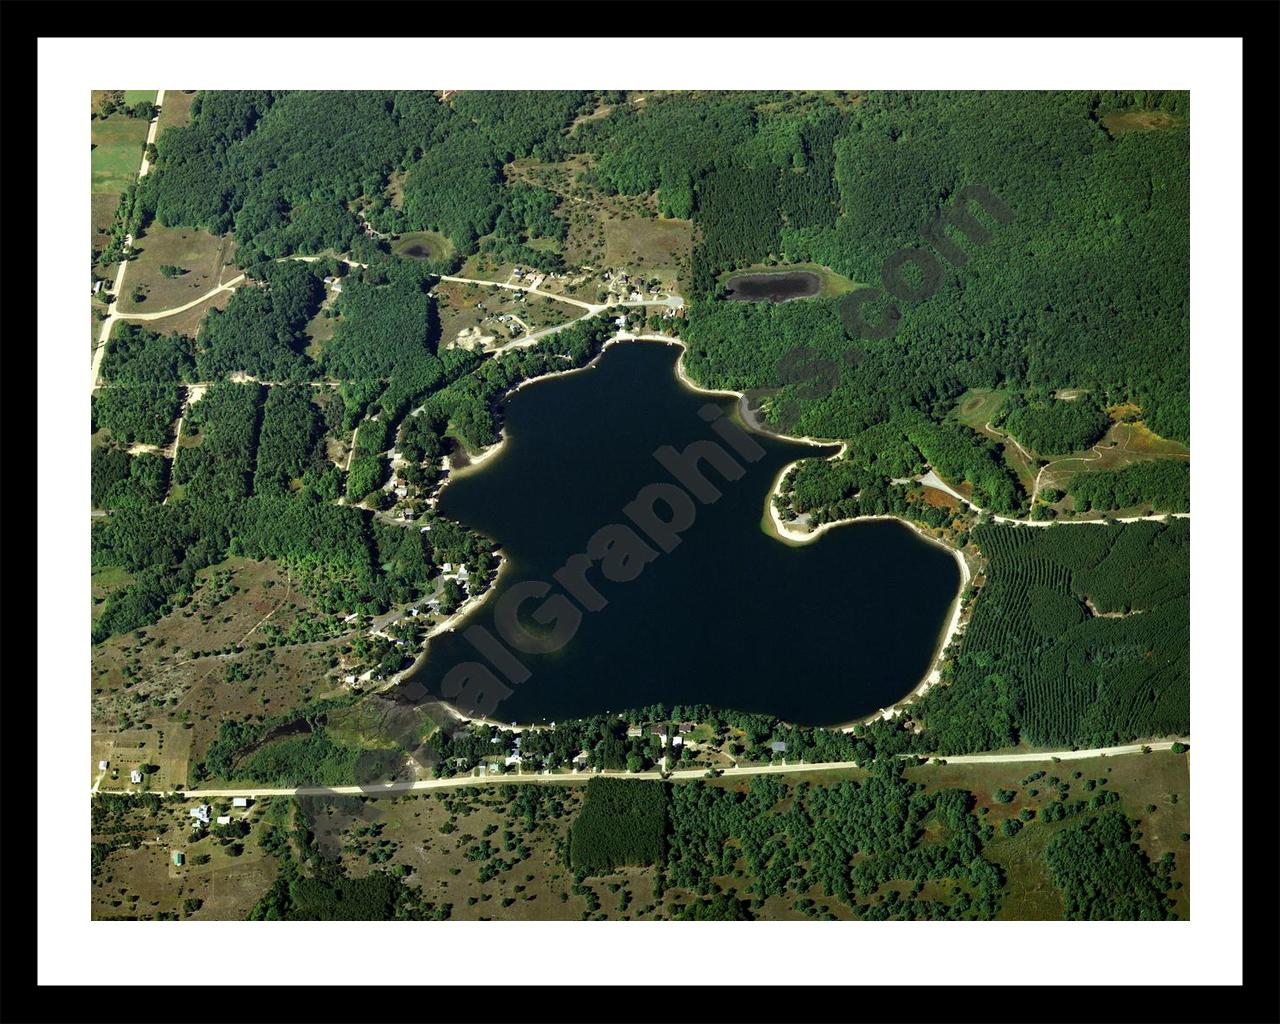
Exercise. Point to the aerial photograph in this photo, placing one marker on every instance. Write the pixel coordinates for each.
(637, 505)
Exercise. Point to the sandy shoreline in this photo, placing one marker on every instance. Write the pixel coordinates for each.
(780, 529)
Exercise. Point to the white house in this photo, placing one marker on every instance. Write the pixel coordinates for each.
(135, 776)
(240, 801)
(201, 813)
(224, 819)
(102, 766)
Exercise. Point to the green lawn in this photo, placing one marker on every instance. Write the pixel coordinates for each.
(132, 96)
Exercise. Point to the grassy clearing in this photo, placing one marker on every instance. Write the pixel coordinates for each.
(117, 152)
(104, 582)
(132, 96)
(650, 247)
(977, 406)
(1123, 445)
(431, 833)
(207, 259)
(176, 109)
(1120, 122)
(167, 748)
(975, 409)
(1141, 780)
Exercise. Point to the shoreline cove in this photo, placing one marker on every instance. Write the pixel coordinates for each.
(771, 524)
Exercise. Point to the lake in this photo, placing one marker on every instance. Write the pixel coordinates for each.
(775, 286)
(819, 633)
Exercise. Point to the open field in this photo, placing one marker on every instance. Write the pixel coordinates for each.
(188, 322)
(117, 152)
(176, 109)
(1123, 445)
(143, 882)
(589, 213)
(976, 407)
(1119, 122)
(650, 247)
(207, 259)
(1127, 441)
(221, 657)
(1141, 780)
(430, 834)
(166, 749)
(104, 582)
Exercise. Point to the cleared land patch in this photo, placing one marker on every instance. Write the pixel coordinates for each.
(1160, 778)
(247, 645)
(176, 109)
(204, 260)
(117, 152)
(650, 247)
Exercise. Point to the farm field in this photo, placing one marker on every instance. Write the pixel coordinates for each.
(206, 259)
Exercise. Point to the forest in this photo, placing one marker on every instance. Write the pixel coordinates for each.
(1055, 426)
(1104, 875)
(623, 821)
(1079, 637)
(848, 838)
(1165, 485)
